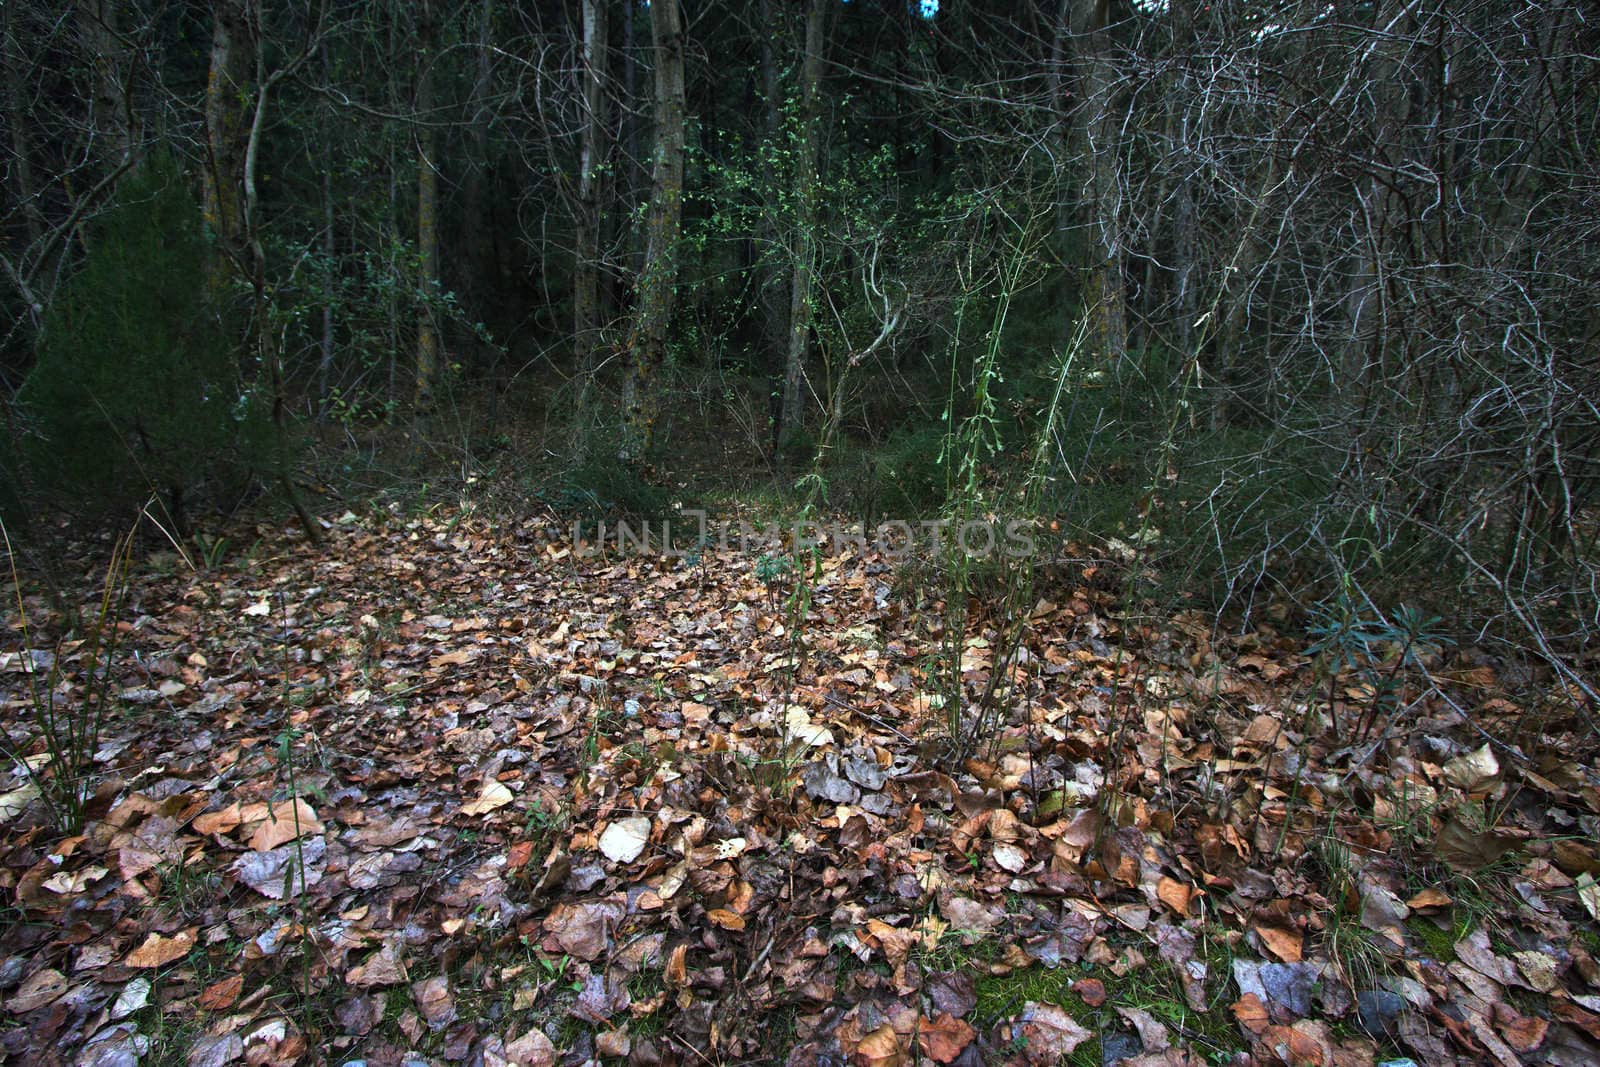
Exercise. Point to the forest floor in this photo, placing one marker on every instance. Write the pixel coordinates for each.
(445, 791)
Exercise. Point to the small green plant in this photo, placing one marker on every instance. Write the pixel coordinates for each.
(544, 824)
(771, 571)
(212, 550)
(186, 887)
(67, 726)
(557, 969)
(1346, 639)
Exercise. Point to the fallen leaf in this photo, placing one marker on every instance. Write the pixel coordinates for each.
(1282, 943)
(945, 1038)
(1429, 899)
(42, 987)
(798, 729)
(215, 1050)
(13, 803)
(1152, 1034)
(1251, 1013)
(284, 823)
(493, 796)
(1047, 1033)
(158, 951)
(625, 839)
(383, 967)
(1009, 857)
(1175, 895)
(133, 997)
(600, 999)
(220, 996)
(278, 874)
(582, 930)
(1473, 771)
(1091, 991)
(1589, 894)
(1523, 1033)
(532, 1049)
(433, 1000)
(881, 1048)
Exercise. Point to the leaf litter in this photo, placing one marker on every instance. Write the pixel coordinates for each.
(446, 793)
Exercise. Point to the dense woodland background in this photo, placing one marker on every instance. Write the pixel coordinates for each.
(1295, 300)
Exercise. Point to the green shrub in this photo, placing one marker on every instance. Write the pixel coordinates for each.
(604, 488)
(136, 386)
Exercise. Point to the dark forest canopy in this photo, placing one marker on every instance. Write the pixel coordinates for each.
(1300, 293)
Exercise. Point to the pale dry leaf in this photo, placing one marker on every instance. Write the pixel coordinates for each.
(493, 796)
(1009, 857)
(625, 839)
(1473, 771)
(532, 1049)
(133, 996)
(279, 874)
(1589, 894)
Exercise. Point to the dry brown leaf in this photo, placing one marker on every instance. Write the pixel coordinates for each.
(1175, 895)
(42, 987)
(1091, 991)
(220, 996)
(1522, 1032)
(432, 996)
(492, 797)
(1281, 942)
(218, 822)
(532, 1049)
(284, 823)
(383, 967)
(1251, 1013)
(676, 973)
(1428, 899)
(1047, 1033)
(1295, 1046)
(945, 1038)
(158, 951)
(881, 1048)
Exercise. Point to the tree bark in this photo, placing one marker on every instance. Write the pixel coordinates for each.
(591, 159)
(1099, 140)
(805, 240)
(228, 86)
(111, 119)
(427, 357)
(477, 241)
(647, 343)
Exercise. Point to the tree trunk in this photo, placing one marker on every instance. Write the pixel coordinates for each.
(427, 360)
(591, 158)
(329, 247)
(228, 86)
(1099, 135)
(774, 326)
(23, 189)
(111, 120)
(647, 343)
(477, 243)
(804, 240)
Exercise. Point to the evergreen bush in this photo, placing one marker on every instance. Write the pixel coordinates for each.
(136, 385)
